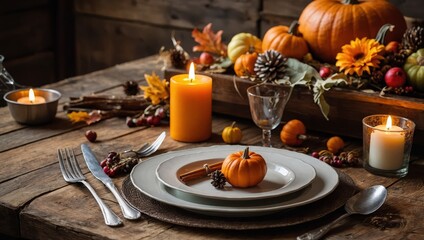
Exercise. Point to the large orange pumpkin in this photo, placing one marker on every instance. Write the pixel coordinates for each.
(286, 41)
(327, 25)
(244, 168)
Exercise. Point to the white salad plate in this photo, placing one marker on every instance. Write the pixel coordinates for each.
(143, 177)
(284, 175)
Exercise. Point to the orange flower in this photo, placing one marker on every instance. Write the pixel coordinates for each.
(359, 56)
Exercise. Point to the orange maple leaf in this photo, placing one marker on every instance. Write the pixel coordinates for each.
(209, 41)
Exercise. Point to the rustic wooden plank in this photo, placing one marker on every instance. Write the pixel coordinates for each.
(284, 8)
(13, 6)
(33, 70)
(18, 27)
(232, 17)
(103, 43)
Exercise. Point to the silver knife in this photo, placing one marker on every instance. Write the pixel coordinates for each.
(128, 211)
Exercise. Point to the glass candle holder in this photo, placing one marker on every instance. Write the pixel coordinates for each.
(387, 143)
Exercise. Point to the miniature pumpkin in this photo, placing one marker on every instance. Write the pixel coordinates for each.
(242, 43)
(245, 64)
(232, 134)
(327, 25)
(335, 144)
(414, 68)
(293, 133)
(244, 168)
(286, 41)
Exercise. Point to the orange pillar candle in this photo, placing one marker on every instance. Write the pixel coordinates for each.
(190, 107)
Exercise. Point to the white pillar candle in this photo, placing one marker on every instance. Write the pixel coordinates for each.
(387, 145)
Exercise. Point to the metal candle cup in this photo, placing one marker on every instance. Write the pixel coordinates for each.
(36, 113)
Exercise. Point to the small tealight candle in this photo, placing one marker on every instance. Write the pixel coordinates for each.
(31, 99)
(190, 107)
(387, 143)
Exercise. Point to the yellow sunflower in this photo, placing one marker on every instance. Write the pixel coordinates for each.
(358, 56)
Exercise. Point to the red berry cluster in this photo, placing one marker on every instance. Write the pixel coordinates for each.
(344, 159)
(152, 116)
(114, 164)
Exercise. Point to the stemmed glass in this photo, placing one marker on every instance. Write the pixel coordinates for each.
(267, 103)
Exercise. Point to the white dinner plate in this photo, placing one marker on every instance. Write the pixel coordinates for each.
(284, 175)
(143, 177)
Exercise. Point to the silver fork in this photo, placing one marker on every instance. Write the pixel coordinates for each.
(148, 150)
(72, 173)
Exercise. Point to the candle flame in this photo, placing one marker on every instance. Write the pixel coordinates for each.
(389, 123)
(191, 74)
(31, 95)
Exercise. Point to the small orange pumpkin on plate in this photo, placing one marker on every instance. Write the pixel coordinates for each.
(244, 168)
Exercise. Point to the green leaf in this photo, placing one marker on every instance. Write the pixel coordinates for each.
(304, 74)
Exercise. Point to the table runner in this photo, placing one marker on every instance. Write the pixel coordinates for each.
(289, 217)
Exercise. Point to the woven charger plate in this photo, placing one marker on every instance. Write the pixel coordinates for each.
(179, 216)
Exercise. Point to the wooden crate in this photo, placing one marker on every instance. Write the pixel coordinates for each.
(348, 107)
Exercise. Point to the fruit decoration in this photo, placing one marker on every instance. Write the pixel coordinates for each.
(335, 144)
(285, 40)
(244, 168)
(344, 159)
(327, 25)
(242, 43)
(91, 135)
(245, 65)
(414, 67)
(206, 59)
(232, 134)
(270, 66)
(116, 164)
(392, 47)
(395, 77)
(293, 133)
(218, 179)
(413, 38)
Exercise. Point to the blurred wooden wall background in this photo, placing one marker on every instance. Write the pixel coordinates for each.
(44, 41)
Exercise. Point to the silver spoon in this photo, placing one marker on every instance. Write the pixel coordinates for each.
(365, 202)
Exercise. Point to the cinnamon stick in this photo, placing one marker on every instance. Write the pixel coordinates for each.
(200, 172)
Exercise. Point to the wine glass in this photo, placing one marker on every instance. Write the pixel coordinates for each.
(267, 103)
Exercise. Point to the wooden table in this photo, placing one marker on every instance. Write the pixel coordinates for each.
(36, 203)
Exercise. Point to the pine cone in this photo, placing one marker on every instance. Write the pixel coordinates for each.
(377, 76)
(218, 179)
(413, 38)
(270, 66)
(131, 88)
(178, 58)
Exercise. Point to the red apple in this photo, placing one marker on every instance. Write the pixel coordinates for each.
(206, 58)
(395, 77)
(325, 72)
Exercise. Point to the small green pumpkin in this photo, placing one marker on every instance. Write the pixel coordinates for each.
(414, 68)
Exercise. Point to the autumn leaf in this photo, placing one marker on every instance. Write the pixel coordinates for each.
(88, 118)
(209, 41)
(157, 89)
(79, 116)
